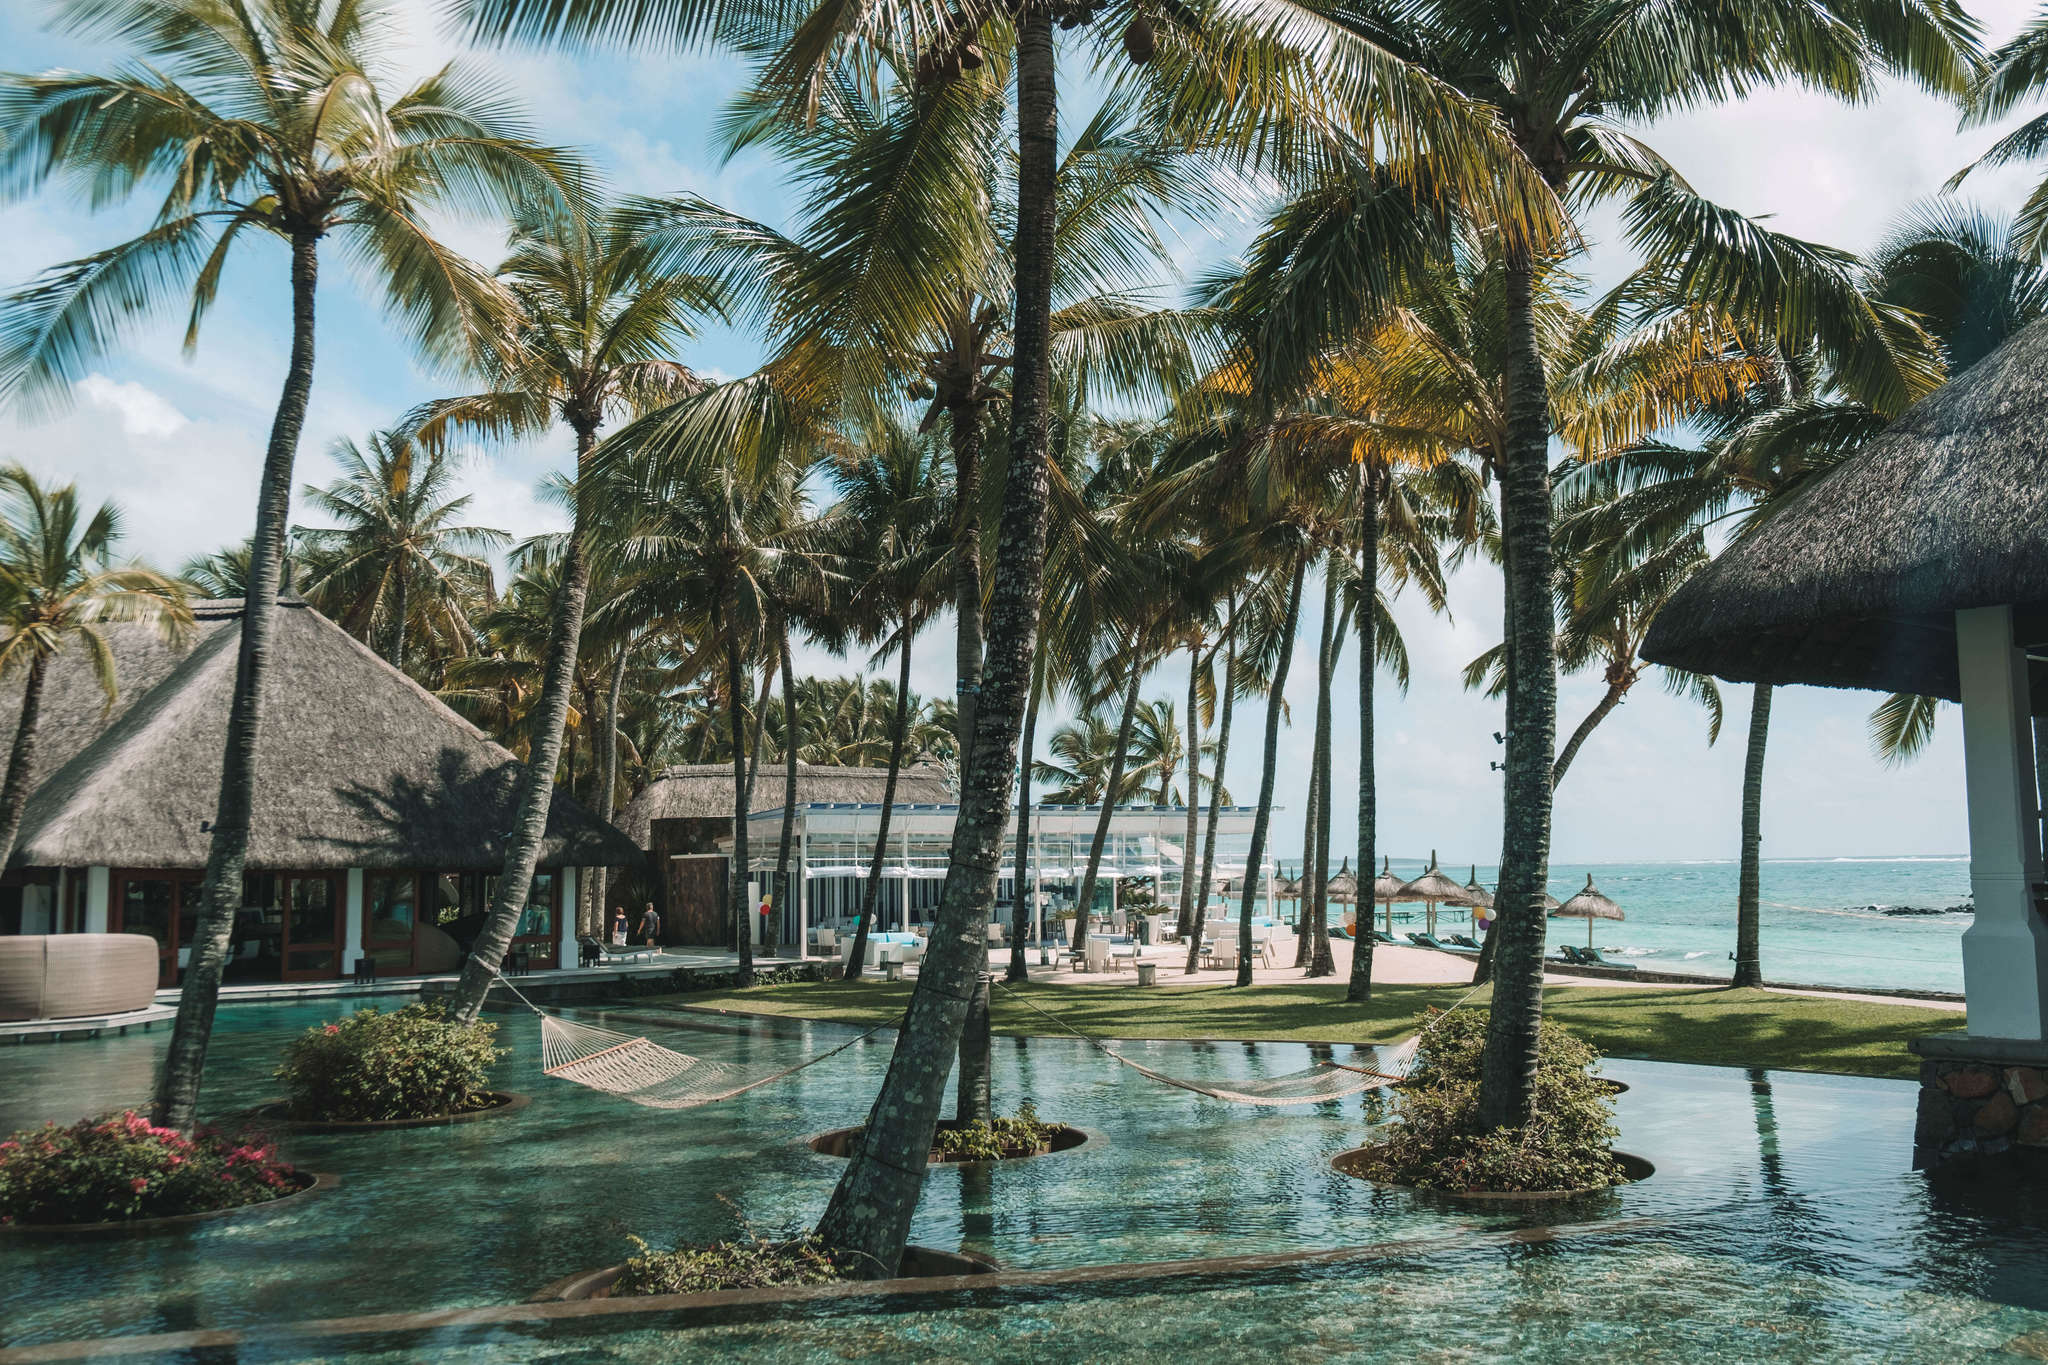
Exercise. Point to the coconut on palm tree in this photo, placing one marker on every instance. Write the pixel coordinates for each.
(264, 120)
(59, 583)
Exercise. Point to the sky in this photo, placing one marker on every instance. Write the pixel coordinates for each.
(177, 442)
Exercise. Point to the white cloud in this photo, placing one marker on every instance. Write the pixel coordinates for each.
(142, 411)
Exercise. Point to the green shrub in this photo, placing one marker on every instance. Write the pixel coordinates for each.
(416, 1063)
(1001, 1137)
(749, 1264)
(1437, 1145)
(123, 1167)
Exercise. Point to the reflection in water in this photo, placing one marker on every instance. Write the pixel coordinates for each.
(1782, 1219)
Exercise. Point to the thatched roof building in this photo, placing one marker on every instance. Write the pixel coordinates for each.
(703, 791)
(1855, 580)
(358, 766)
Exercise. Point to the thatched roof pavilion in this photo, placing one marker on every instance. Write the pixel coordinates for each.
(1477, 896)
(1433, 886)
(358, 766)
(1920, 564)
(703, 791)
(1343, 888)
(1855, 580)
(1386, 887)
(1588, 905)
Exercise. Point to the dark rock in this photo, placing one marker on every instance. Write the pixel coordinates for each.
(1997, 1116)
(1970, 1082)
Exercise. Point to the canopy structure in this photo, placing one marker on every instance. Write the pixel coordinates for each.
(1343, 888)
(1386, 889)
(1588, 905)
(1920, 564)
(1434, 888)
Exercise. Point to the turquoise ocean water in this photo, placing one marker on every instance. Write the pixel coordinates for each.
(1816, 922)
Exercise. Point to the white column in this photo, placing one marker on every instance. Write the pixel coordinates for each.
(2005, 951)
(98, 888)
(1037, 883)
(565, 927)
(352, 921)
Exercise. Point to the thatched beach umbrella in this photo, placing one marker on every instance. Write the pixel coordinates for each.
(1434, 888)
(1386, 889)
(1588, 905)
(1343, 888)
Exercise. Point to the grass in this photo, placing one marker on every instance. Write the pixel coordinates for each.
(1718, 1027)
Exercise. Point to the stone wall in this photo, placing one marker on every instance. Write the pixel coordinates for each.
(1977, 1108)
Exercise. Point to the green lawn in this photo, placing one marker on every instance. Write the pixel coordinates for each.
(1718, 1027)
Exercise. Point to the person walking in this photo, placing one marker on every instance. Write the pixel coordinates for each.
(650, 925)
(619, 927)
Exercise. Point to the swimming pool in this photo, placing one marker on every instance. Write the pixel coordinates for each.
(1782, 1219)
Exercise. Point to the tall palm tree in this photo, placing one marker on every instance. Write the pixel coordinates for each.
(58, 585)
(602, 319)
(398, 552)
(891, 527)
(269, 117)
(725, 544)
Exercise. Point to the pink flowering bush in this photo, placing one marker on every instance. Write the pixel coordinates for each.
(414, 1063)
(124, 1167)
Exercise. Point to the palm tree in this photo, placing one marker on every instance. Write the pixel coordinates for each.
(602, 318)
(267, 116)
(894, 512)
(58, 585)
(726, 545)
(397, 539)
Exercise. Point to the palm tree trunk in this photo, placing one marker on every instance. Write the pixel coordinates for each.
(871, 896)
(1020, 907)
(1749, 967)
(537, 782)
(184, 1068)
(1194, 748)
(760, 728)
(21, 759)
(1315, 888)
(964, 419)
(1194, 936)
(1274, 699)
(1508, 1070)
(609, 802)
(788, 788)
(1609, 699)
(1308, 857)
(398, 626)
(1110, 789)
(1359, 988)
(868, 1220)
(741, 797)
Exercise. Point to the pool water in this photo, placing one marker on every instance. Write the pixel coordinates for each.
(1782, 1221)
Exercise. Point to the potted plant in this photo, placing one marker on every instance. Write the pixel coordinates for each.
(412, 1066)
(122, 1171)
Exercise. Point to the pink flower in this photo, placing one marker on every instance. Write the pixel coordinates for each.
(139, 1184)
(333, 1029)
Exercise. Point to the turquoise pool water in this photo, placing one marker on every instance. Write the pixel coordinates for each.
(1782, 1221)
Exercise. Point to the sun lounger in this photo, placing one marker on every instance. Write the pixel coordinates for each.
(1385, 937)
(1591, 957)
(1464, 942)
(618, 952)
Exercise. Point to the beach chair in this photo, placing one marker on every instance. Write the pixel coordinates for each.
(1224, 954)
(619, 952)
(1591, 957)
(1095, 954)
(1418, 940)
(1464, 942)
(1384, 937)
(1575, 956)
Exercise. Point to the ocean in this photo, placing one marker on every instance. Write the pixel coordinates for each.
(1817, 923)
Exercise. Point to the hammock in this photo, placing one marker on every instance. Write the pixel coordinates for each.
(1312, 1085)
(646, 1073)
(1323, 1081)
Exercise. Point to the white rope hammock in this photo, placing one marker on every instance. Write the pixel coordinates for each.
(1313, 1085)
(646, 1073)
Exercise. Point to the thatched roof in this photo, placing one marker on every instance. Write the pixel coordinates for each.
(1588, 904)
(358, 765)
(1343, 888)
(703, 791)
(1475, 894)
(1433, 885)
(1853, 582)
(1386, 887)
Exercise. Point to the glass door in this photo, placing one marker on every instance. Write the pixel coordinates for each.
(147, 903)
(312, 927)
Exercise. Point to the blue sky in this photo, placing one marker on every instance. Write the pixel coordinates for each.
(178, 442)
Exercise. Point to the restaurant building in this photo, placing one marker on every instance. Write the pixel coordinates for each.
(380, 823)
